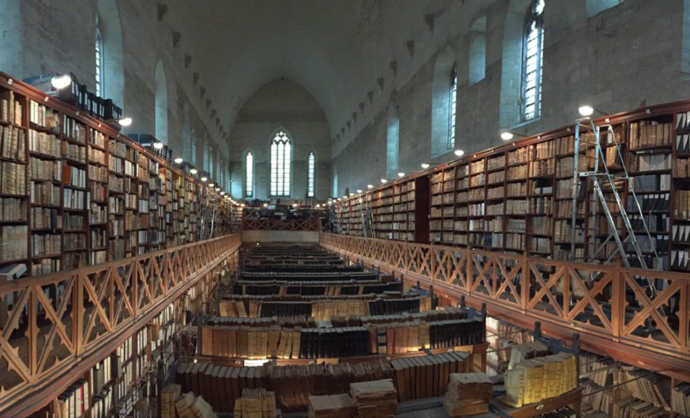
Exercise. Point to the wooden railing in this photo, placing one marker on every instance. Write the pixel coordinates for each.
(611, 306)
(252, 220)
(55, 327)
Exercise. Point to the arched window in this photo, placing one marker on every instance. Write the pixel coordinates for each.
(311, 167)
(112, 72)
(161, 104)
(533, 61)
(392, 141)
(452, 102)
(280, 165)
(594, 7)
(478, 50)
(100, 59)
(444, 85)
(249, 175)
(186, 135)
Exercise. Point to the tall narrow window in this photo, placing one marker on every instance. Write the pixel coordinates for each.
(249, 175)
(392, 141)
(452, 101)
(310, 180)
(533, 61)
(280, 165)
(99, 59)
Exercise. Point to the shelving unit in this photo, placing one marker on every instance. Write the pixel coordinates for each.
(75, 192)
(518, 198)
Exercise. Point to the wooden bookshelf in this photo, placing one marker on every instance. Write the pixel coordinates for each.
(517, 198)
(75, 192)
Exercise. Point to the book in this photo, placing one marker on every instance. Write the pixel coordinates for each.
(468, 394)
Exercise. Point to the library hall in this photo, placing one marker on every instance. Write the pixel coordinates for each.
(345, 209)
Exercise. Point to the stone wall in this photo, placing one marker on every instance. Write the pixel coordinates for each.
(612, 60)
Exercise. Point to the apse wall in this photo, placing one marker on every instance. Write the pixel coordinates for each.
(281, 105)
(611, 57)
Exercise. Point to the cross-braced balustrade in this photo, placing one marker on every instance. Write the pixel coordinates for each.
(52, 326)
(611, 306)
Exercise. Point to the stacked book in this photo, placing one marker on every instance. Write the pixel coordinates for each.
(332, 406)
(255, 403)
(468, 394)
(649, 387)
(527, 351)
(427, 376)
(169, 396)
(542, 378)
(189, 406)
(680, 399)
(375, 399)
(637, 408)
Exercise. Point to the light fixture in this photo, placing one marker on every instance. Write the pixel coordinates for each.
(345, 197)
(586, 110)
(318, 206)
(61, 81)
(223, 194)
(265, 205)
(158, 145)
(204, 178)
(507, 136)
(210, 184)
(401, 174)
(126, 121)
(178, 160)
(359, 190)
(370, 186)
(384, 181)
(193, 171)
(459, 152)
(425, 166)
(217, 189)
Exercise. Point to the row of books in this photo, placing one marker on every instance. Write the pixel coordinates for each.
(12, 178)
(12, 142)
(398, 338)
(540, 378)
(329, 289)
(14, 245)
(222, 386)
(423, 377)
(11, 110)
(645, 134)
(12, 209)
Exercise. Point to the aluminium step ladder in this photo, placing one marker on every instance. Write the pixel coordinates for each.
(603, 180)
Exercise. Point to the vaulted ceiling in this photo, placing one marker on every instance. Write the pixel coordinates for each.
(336, 49)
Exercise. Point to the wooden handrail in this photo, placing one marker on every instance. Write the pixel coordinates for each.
(612, 312)
(53, 328)
(280, 225)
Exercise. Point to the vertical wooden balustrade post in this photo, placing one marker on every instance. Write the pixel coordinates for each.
(77, 312)
(617, 301)
(684, 317)
(32, 331)
(524, 282)
(135, 287)
(469, 267)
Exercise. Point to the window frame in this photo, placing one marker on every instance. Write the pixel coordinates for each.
(281, 164)
(100, 59)
(311, 174)
(452, 108)
(249, 174)
(534, 17)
